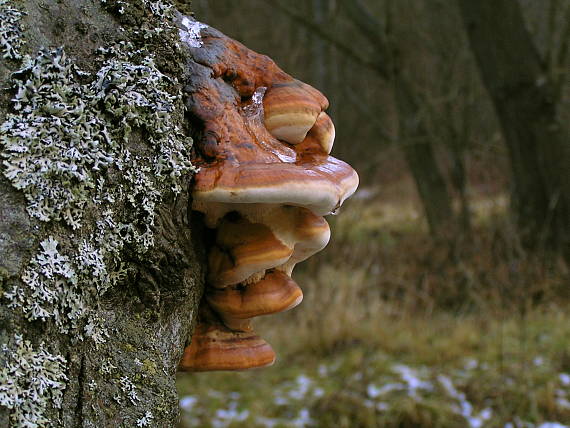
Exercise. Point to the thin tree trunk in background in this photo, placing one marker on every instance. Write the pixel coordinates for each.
(420, 156)
(453, 129)
(459, 179)
(322, 64)
(458, 135)
(537, 140)
(418, 150)
(319, 47)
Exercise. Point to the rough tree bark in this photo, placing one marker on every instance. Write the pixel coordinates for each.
(100, 266)
(536, 137)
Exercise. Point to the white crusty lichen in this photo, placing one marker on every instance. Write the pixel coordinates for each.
(11, 40)
(66, 135)
(31, 382)
(46, 269)
(146, 420)
(59, 148)
(159, 8)
(55, 287)
(191, 32)
(163, 10)
(56, 143)
(106, 367)
(125, 390)
(129, 389)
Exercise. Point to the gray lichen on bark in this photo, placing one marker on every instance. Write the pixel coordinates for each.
(100, 269)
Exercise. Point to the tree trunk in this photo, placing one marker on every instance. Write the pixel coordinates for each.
(101, 270)
(420, 156)
(537, 139)
(418, 150)
(322, 64)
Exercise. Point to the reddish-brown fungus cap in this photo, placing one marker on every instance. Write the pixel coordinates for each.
(319, 183)
(215, 347)
(276, 292)
(291, 110)
(243, 248)
(320, 137)
(241, 162)
(312, 234)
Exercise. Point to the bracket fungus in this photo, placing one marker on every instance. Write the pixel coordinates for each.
(266, 180)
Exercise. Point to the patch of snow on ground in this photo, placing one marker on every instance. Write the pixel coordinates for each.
(410, 376)
(188, 402)
(465, 408)
(373, 391)
(303, 385)
(225, 417)
(406, 380)
(303, 419)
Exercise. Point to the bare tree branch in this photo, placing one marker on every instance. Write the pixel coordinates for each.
(551, 44)
(325, 35)
(371, 28)
(561, 63)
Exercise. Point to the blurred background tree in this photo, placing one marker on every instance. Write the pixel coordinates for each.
(527, 89)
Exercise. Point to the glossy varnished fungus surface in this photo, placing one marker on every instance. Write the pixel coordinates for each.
(266, 179)
(275, 292)
(241, 249)
(320, 183)
(216, 347)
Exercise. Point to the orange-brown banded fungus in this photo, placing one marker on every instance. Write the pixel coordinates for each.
(266, 179)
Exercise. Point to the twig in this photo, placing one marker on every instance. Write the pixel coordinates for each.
(316, 29)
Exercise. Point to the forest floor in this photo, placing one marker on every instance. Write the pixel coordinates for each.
(398, 331)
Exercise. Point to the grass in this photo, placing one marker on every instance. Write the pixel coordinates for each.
(396, 331)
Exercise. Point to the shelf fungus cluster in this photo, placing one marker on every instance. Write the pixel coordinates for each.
(265, 182)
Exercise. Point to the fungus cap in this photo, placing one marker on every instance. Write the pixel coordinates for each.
(318, 183)
(242, 249)
(215, 347)
(312, 234)
(320, 137)
(276, 292)
(291, 109)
